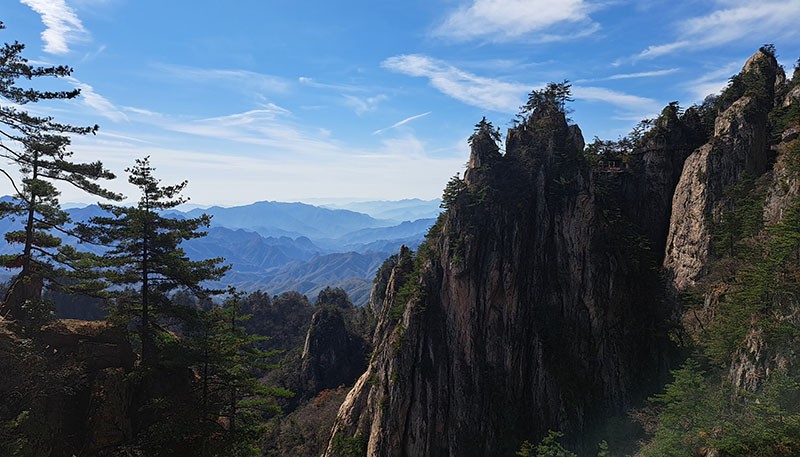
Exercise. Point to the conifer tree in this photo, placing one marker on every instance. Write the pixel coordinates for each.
(228, 360)
(145, 254)
(39, 146)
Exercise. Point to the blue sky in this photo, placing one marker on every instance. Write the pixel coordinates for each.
(286, 100)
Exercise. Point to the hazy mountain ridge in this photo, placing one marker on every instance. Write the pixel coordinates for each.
(277, 247)
(401, 210)
(292, 218)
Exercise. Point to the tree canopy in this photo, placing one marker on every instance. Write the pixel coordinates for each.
(40, 148)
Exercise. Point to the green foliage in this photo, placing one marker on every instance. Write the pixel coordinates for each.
(741, 220)
(603, 449)
(144, 252)
(412, 286)
(452, 191)
(334, 296)
(344, 446)
(700, 411)
(40, 148)
(14, 439)
(554, 96)
(688, 414)
(484, 129)
(751, 83)
(702, 414)
(784, 117)
(226, 358)
(767, 282)
(548, 447)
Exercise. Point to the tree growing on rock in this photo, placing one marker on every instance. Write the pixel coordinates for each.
(145, 253)
(40, 148)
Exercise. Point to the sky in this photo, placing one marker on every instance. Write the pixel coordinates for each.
(287, 100)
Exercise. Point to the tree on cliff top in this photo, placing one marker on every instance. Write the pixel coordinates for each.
(39, 146)
(553, 96)
(483, 129)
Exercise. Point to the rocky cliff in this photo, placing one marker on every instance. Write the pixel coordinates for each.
(538, 301)
(738, 149)
(65, 391)
(335, 350)
(534, 304)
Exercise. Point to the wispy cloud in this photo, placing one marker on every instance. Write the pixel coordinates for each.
(94, 54)
(244, 79)
(268, 126)
(713, 82)
(508, 20)
(311, 82)
(62, 25)
(403, 122)
(487, 93)
(142, 112)
(270, 155)
(643, 74)
(620, 99)
(497, 95)
(732, 21)
(363, 105)
(97, 102)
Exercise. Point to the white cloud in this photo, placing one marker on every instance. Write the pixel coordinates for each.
(97, 102)
(273, 159)
(712, 82)
(242, 79)
(399, 123)
(486, 93)
(142, 112)
(662, 49)
(506, 20)
(496, 95)
(268, 126)
(619, 99)
(734, 20)
(643, 74)
(311, 82)
(363, 105)
(62, 25)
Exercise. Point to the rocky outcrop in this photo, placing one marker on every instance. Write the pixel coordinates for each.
(738, 149)
(67, 390)
(785, 181)
(333, 354)
(530, 308)
(656, 165)
(536, 302)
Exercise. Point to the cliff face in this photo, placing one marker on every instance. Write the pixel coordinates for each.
(67, 391)
(537, 302)
(534, 306)
(738, 149)
(334, 354)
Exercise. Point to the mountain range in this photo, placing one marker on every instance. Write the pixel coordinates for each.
(279, 246)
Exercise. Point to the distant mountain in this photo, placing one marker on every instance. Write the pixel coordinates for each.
(399, 210)
(249, 251)
(351, 271)
(405, 230)
(277, 247)
(290, 219)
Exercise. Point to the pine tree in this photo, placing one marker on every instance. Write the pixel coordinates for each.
(145, 253)
(227, 361)
(39, 146)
